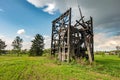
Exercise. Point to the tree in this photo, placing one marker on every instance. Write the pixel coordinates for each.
(37, 46)
(17, 44)
(2, 46)
(118, 50)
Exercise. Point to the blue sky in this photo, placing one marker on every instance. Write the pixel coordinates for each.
(19, 14)
(29, 17)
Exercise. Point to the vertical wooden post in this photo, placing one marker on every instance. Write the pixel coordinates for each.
(92, 36)
(89, 50)
(68, 42)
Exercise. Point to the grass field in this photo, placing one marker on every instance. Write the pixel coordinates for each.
(43, 68)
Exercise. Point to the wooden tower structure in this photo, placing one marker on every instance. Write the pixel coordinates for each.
(72, 41)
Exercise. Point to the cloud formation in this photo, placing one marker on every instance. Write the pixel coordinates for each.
(26, 45)
(47, 41)
(102, 42)
(106, 17)
(50, 8)
(49, 5)
(104, 12)
(8, 41)
(21, 31)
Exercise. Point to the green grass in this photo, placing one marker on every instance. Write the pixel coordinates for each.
(43, 68)
(108, 65)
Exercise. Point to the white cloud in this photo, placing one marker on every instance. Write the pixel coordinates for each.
(26, 45)
(47, 41)
(21, 31)
(26, 41)
(50, 8)
(7, 40)
(37, 3)
(102, 42)
(102, 11)
(48, 4)
(28, 37)
(106, 17)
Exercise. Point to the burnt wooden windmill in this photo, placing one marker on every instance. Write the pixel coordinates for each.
(72, 41)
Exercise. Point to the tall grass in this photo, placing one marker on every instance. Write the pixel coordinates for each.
(44, 68)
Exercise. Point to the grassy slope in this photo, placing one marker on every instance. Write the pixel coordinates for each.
(41, 68)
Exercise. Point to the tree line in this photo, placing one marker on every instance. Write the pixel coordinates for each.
(112, 52)
(35, 50)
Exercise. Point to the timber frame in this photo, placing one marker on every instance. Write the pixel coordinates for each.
(72, 41)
